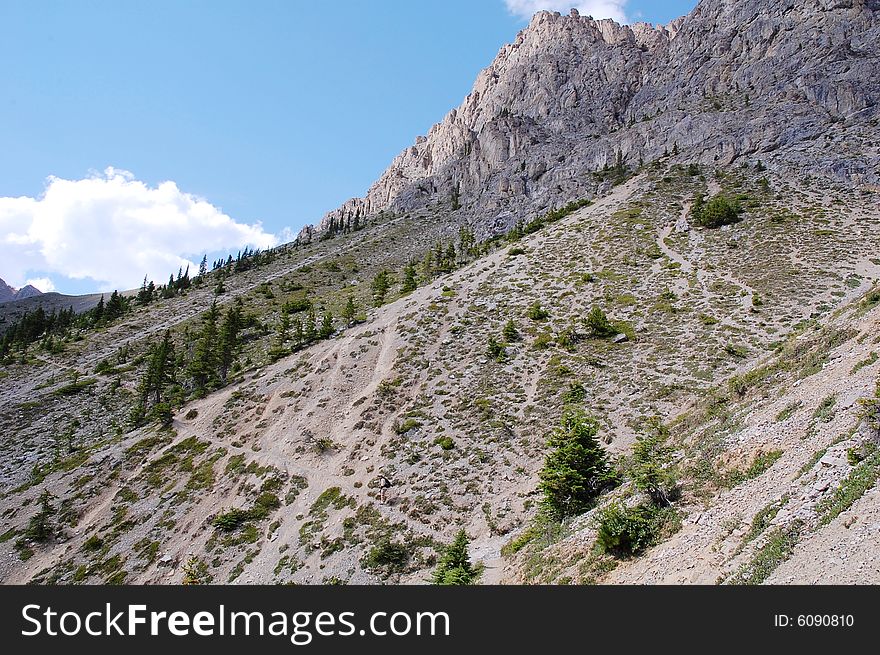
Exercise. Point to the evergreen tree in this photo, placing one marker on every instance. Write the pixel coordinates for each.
(40, 528)
(160, 370)
(99, 310)
(455, 566)
(466, 241)
(115, 307)
(228, 340)
(576, 470)
(298, 332)
(284, 326)
(380, 286)
(326, 326)
(599, 324)
(510, 332)
(310, 327)
(203, 366)
(456, 196)
(144, 297)
(203, 267)
(409, 278)
(428, 265)
(449, 256)
(349, 311)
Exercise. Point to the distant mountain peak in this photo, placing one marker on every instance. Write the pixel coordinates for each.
(8, 293)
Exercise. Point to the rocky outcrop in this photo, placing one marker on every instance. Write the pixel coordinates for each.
(735, 79)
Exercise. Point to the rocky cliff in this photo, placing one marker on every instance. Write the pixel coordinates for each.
(733, 80)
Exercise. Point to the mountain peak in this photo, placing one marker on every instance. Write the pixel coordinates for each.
(8, 292)
(732, 80)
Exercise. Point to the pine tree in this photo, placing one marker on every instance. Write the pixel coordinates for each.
(310, 328)
(428, 266)
(40, 528)
(466, 241)
(455, 567)
(599, 324)
(349, 311)
(143, 297)
(115, 307)
(380, 286)
(284, 326)
(450, 256)
(99, 310)
(203, 267)
(510, 332)
(409, 278)
(298, 332)
(326, 326)
(160, 370)
(203, 367)
(576, 470)
(228, 341)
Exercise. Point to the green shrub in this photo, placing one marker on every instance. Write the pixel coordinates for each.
(445, 442)
(407, 425)
(387, 557)
(537, 313)
(825, 411)
(496, 350)
(626, 531)
(41, 527)
(760, 464)
(718, 211)
(231, 520)
(576, 393)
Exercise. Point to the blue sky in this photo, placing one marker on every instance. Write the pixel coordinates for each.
(270, 111)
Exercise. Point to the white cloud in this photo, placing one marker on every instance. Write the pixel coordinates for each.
(112, 229)
(596, 8)
(44, 284)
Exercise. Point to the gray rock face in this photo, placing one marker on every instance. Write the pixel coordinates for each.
(790, 82)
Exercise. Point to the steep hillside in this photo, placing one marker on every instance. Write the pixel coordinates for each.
(337, 409)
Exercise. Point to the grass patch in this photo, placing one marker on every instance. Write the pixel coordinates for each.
(860, 479)
(779, 546)
(788, 411)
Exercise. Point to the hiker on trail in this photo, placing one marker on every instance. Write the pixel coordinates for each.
(384, 484)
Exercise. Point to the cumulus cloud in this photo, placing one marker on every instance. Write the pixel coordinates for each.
(596, 8)
(44, 284)
(112, 229)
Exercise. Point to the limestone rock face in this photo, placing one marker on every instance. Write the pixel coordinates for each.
(791, 82)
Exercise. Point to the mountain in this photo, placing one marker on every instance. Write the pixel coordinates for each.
(8, 293)
(27, 291)
(652, 246)
(731, 82)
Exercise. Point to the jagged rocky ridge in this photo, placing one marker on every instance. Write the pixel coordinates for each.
(735, 79)
(8, 293)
